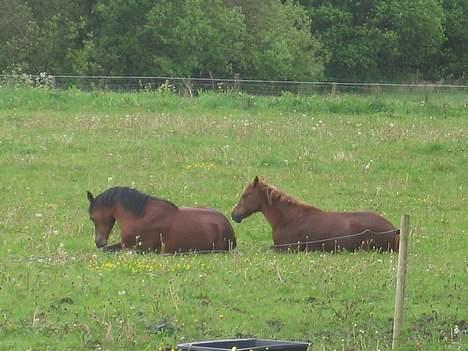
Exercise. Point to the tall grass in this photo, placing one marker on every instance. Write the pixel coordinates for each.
(399, 103)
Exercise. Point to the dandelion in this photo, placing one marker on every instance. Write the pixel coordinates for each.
(122, 292)
(38, 215)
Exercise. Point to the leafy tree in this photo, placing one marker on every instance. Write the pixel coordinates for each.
(17, 34)
(279, 44)
(195, 37)
(352, 42)
(377, 39)
(454, 56)
(264, 39)
(38, 35)
(417, 25)
(116, 43)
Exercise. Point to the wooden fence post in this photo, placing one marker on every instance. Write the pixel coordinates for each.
(400, 284)
(236, 82)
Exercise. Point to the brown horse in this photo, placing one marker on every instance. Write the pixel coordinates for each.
(148, 223)
(299, 226)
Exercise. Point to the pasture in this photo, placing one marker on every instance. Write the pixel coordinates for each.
(390, 153)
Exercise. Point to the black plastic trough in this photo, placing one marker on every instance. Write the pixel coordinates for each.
(244, 345)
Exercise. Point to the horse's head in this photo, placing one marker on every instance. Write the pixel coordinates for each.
(103, 219)
(249, 202)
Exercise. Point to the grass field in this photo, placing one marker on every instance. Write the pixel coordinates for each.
(391, 153)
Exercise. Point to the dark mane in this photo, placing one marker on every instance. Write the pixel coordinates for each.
(131, 199)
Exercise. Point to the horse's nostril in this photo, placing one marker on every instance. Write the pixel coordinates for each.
(99, 244)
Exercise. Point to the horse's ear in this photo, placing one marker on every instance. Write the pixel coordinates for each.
(256, 181)
(90, 197)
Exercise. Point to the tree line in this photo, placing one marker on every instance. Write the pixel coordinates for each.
(258, 39)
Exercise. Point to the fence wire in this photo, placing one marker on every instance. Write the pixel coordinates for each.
(336, 238)
(192, 86)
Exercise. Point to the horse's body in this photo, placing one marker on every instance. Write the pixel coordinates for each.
(151, 224)
(296, 225)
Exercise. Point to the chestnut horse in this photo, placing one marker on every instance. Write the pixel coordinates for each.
(148, 223)
(297, 225)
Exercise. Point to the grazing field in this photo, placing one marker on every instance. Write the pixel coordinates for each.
(390, 153)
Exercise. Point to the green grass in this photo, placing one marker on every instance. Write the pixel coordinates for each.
(388, 153)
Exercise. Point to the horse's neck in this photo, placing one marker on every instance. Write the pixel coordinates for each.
(121, 215)
(159, 211)
(278, 212)
(155, 210)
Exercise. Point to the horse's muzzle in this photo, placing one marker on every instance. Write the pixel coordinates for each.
(100, 244)
(236, 217)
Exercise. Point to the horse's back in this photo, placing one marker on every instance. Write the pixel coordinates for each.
(351, 230)
(213, 221)
(382, 234)
(202, 213)
(370, 220)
